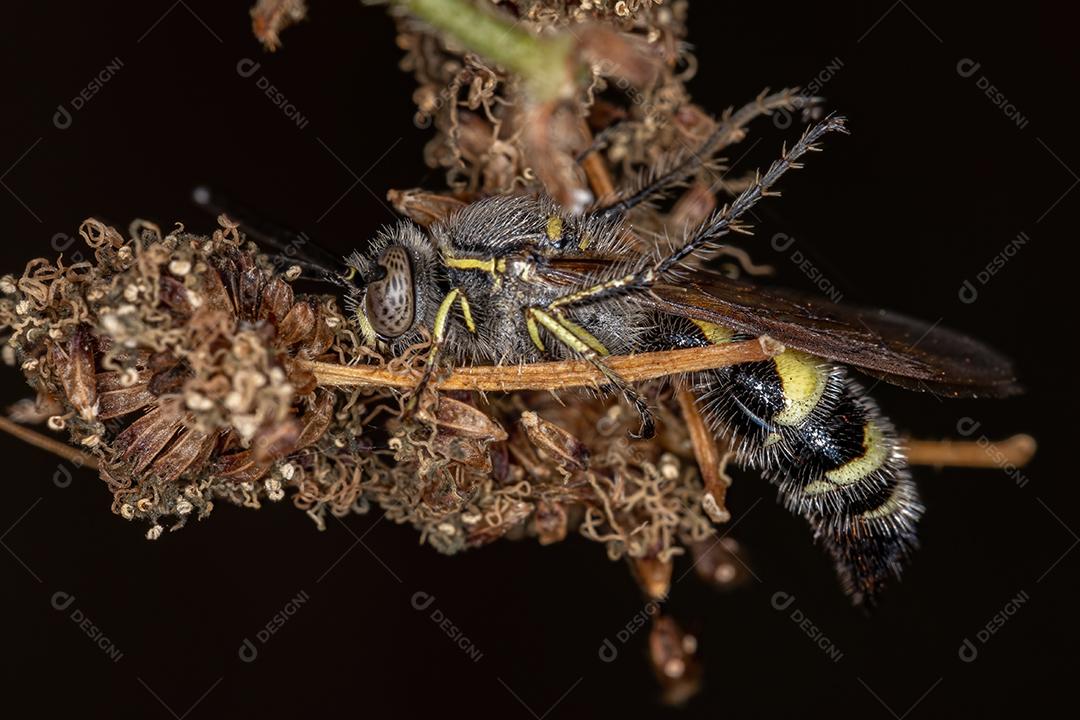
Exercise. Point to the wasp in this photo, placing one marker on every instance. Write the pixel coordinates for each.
(518, 279)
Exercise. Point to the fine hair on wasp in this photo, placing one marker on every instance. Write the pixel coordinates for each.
(517, 279)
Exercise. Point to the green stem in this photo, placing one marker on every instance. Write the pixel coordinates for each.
(542, 62)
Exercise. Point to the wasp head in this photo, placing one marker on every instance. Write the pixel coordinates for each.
(393, 284)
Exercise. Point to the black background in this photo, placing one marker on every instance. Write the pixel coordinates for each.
(933, 183)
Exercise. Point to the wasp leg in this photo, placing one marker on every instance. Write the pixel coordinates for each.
(438, 336)
(590, 348)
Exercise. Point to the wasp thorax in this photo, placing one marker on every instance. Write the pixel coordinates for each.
(389, 302)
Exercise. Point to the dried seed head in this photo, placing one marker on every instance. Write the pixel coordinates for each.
(185, 354)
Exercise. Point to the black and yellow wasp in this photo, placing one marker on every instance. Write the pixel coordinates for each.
(518, 279)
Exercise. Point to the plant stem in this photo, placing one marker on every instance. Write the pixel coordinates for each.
(56, 447)
(557, 375)
(544, 63)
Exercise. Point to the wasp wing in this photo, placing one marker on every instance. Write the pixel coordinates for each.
(895, 348)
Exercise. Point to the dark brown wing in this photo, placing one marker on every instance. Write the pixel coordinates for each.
(886, 345)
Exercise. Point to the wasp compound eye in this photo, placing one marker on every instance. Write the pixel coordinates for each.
(390, 304)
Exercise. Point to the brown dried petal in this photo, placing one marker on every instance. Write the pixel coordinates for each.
(174, 295)
(217, 297)
(316, 420)
(298, 324)
(323, 338)
(424, 208)
(140, 443)
(74, 365)
(653, 575)
(241, 467)
(169, 380)
(250, 290)
(302, 379)
(673, 654)
(276, 441)
(485, 532)
(556, 443)
(277, 300)
(463, 451)
(183, 454)
(551, 522)
(115, 403)
(455, 417)
(110, 380)
(718, 562)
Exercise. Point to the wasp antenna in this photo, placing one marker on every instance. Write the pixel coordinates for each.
(296, 247)
(729, 131)
(725, 220)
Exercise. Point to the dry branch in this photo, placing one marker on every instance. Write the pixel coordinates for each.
(556, 375)
(1015, 451)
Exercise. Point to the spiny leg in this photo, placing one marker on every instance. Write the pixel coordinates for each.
(590, 348)
(438, 336)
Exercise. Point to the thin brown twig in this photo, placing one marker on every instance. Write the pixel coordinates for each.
(1015, 451)
(557, 375)
(703, 441)
(40, 440)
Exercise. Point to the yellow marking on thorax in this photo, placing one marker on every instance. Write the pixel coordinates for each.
(803, 379)
(554, 228)
(714, 333)
(875, 452)
(486, 265)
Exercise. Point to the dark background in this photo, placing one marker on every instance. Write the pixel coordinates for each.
(934, 182)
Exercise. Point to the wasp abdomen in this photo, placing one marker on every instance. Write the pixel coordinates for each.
(836, 460)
